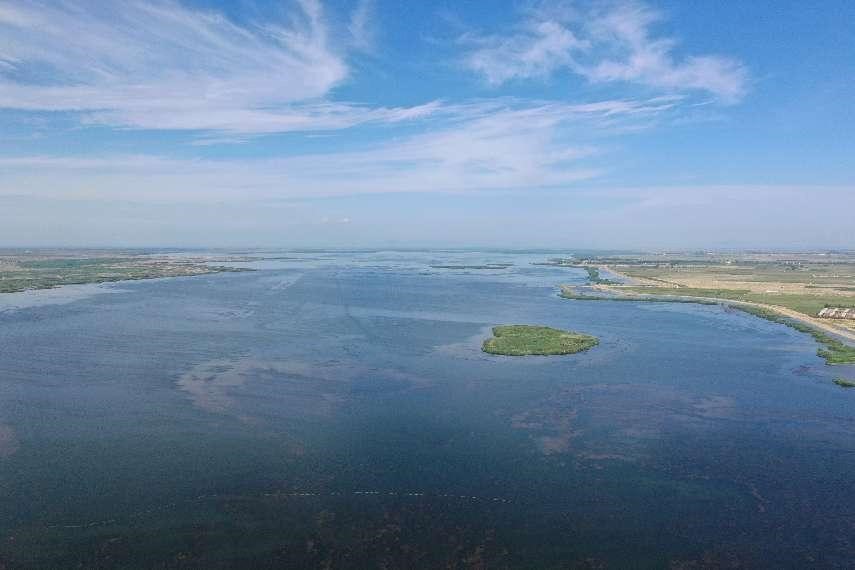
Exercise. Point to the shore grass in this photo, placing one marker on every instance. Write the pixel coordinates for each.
(844, 383)
(807, 304)
(568, 293)
(593, 271)
(595, 279)
(530, 340)
(484, 266)
(832, 350)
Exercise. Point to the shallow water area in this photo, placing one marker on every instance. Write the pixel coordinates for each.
(335, 408)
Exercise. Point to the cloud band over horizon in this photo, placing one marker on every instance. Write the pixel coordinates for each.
(163, 102)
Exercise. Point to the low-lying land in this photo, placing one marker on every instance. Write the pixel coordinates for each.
(593, 270)
(529, 340)
(788, 289)
(484, 266)
(831, 275)
(805, 283)
(22, 271)
(808, 304)
(833, 351)
(844, 383)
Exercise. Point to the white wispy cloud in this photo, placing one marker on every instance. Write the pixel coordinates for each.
(162, 65)
(607, 42)
(500, 145)
(361, 26)
(538, 50)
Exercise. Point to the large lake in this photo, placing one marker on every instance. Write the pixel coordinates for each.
(335, 410)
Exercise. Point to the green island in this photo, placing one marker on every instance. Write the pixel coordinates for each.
(23, 271)
(531, 340)
(844, 383)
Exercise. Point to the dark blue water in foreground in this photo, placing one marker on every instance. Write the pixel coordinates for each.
(336, 410)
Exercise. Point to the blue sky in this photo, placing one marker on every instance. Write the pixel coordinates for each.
(613, 124)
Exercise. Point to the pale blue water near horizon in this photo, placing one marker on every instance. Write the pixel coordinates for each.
(334, 408)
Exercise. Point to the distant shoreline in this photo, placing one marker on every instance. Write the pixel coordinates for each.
(189, 271)
(45, 270)
(783, 311)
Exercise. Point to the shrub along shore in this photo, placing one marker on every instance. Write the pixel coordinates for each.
(832, 350)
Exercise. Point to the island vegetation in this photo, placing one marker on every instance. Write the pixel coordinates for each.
(844, 382)
(530, 340)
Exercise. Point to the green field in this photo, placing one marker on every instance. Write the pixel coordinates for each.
(808, 305)
(529, 340)
(817, 275)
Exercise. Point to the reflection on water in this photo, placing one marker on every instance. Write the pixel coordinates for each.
(220, 386)
(334, 409)
(625, 417)
(209, 383)
(61, 295)
(8, 441)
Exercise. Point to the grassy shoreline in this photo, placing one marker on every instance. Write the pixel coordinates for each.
(593, 270)
(833, 351)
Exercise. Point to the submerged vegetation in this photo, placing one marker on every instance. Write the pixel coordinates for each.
(484, 266)
(526, 340)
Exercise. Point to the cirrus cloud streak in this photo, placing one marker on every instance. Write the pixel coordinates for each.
(608, 42)
(162, 65)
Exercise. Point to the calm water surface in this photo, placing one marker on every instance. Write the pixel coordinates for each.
(335, 410)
